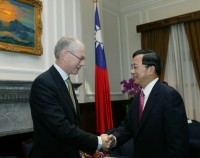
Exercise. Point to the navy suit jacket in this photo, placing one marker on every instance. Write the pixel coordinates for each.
(163, 128)
(55, 121)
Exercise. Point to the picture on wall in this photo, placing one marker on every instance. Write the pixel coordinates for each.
(21, 26)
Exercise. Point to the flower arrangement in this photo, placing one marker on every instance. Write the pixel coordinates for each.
(129, 87)
(97, 154)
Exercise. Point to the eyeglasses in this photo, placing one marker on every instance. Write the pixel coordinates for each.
(135, 67)
(82, 58)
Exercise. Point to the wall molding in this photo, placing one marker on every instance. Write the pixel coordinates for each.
(136, 5)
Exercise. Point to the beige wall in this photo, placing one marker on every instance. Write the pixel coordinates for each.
(119, 19)
(123, 19)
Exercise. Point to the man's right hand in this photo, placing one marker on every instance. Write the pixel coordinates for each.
(107, 141)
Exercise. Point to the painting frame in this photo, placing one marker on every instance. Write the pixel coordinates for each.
(35, 48)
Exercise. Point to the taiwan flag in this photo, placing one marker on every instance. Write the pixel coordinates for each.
(104, 119)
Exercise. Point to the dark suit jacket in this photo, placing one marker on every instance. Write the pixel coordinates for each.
(163, 129)
(56, 123)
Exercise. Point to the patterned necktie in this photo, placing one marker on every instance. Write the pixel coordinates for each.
(141, 104)
(69, 83)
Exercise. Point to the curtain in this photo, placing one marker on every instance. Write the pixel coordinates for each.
(157, 40)
(193, 34)
(179, 72)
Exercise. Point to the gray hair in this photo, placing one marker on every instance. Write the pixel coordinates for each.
(69, 43)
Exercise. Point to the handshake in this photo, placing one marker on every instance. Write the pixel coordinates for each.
(108, 141)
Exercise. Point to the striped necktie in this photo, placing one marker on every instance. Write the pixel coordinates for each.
(69, 83)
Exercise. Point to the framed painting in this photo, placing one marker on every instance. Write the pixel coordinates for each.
(21, 26)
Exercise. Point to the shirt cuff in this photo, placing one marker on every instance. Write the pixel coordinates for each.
(99, 143)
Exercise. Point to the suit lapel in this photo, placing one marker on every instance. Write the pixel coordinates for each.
(64, 90)
(151, 102)
(134, 113)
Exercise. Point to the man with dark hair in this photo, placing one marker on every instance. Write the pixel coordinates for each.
(156, 120)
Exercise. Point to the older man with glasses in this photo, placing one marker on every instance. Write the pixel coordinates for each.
(55, 111)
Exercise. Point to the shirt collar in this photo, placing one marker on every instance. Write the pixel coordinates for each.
(63, 74)
(149, 87)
